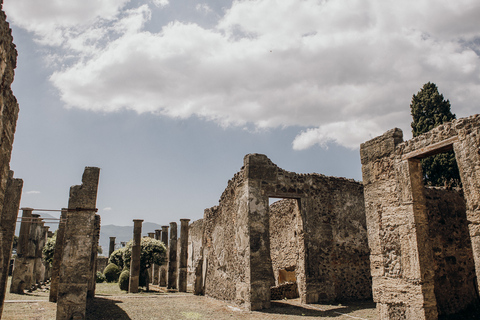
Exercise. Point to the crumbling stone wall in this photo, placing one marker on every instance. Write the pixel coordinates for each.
(332, 252)
(402, 258)
(80, 240)
(195, 236)
(8, 121)
(454, 278)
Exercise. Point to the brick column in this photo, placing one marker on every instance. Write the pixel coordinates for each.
(57, 257)
(111, 247)
(172, 257)
(156, 267)
(135, 261)
(76, 265)
(182, 265)
(22, 271)
(8, 219)
(163, 268)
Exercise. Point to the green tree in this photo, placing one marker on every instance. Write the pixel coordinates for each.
(49, 249)
(152, 252)
(429, 109)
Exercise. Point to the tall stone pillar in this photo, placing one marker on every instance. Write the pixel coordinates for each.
(135, 261)
(182, 264)
(8, 219)
(23, 270)
(40, 239)
(172, 257)
(150, 270)
(57, 257)
(163, 268)
(401, 260)
(111, 246)
(75, 268)
(156, 267)
(93, 263)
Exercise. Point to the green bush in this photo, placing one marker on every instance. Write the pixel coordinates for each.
(124, 279)
(112, 272)
(100, 277)
(117, 257)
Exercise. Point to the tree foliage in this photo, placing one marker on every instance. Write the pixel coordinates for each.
(49, 249)
(429, 109)
(152, 252)
(117, 257)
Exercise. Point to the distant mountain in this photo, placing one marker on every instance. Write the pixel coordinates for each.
(122, 234)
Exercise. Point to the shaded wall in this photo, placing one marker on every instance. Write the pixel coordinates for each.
(402, 258)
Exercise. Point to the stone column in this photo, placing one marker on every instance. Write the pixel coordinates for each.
(22, 271)
(111, 247)
(467, 153)
(57, 257)
(156, 267)
(163, 268)
(93, 263)
(135, 261)
(40, 237)
(401, 260)
(8, 220)
(76, 265)
(150, 270)
(172, 257)
(182, 265)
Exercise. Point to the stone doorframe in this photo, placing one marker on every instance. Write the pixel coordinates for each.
(401, 257)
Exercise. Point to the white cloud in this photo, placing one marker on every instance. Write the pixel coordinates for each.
(32, 192)
(107, 209)
(344, 69)
(160, 3)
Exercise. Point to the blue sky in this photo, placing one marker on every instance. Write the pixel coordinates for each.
(167, 97)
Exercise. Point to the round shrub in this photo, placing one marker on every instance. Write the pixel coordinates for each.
(100, 277)
(124, 279)
(117, 257)
(112, 272)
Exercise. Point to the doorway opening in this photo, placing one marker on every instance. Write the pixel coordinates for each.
(284, 247)
(454, 268)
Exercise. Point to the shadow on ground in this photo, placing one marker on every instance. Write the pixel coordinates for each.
(105, 309)
(287, 308)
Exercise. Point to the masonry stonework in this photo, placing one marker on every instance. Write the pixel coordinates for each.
(76, 268)
(8, 121)
(407, 264)
(8, 220)
(331, 261)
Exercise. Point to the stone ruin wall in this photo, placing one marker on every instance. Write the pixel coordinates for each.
(331, 259)
(195, 237)
(408, 269)
(8, 121)
(454, 278)
(225, 246)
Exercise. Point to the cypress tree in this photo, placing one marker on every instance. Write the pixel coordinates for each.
(429, 109)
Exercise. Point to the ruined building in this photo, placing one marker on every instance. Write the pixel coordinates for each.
(10, 189)
(319, 240)
(424, 243)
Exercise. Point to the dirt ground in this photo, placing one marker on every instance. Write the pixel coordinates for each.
(111, 303)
